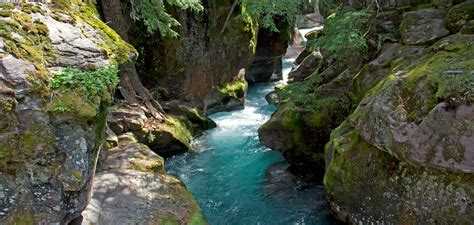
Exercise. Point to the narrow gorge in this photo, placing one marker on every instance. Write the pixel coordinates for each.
(236, 112)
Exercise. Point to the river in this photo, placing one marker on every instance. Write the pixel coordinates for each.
(227, 172)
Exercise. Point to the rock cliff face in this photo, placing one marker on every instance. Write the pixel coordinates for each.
(50, 135)
(397, 128)
(271, 46)
(204, 61)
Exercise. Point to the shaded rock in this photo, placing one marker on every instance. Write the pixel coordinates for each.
(111, 138)
(164, 137)
(272, 98)
(228, 98)
(423, 26)
(201, 60)
(217, 101)
(387, 26)
(267, 64)
(302, 56)
(461, 18)
(132, 187)
(199, 121)
(123, 118)
(308, 66)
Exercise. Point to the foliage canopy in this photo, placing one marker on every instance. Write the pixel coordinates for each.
(344, 33)
(154, 15)
(268, 10)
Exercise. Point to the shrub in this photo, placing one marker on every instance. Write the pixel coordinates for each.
(344, 33)
(153, 14)
(100, 82)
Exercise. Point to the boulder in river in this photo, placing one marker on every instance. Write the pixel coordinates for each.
(166, 138)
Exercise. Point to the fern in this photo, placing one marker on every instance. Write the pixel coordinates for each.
(154, 15)
(344, 33)
(268, 10)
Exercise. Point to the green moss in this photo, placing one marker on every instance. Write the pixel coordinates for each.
(7, 6)
(31, 8)
(179, 129)
(459, 16)
(236, 89)
(73, 103)
(169, 220)
(117, 49)
(449, 68)
(197, 218)
(25, 219)
(5, 13)
(33, 46)
(17, 148)
(148, 165)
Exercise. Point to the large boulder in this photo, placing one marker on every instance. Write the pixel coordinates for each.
(461, 18)
(166, 138)
(49, 137)
(308, 66)
(423, 26)
(406, 154)
(132, 187)
(227, 98)
(271, 46)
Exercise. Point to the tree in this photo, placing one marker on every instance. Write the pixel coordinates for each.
(154, 15)
(268, 10)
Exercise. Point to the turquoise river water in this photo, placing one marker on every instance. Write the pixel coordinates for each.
(227, 172)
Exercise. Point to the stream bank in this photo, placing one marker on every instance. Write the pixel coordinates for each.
(228, 175)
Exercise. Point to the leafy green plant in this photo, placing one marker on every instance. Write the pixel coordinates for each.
(300, 93)
(61, 107)
(154, 15)
(268, 10)
(94, 83)
(344, 33)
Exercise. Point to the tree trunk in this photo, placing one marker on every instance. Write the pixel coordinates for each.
(130, 85)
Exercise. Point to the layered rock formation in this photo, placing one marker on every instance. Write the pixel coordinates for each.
(50, 134)
(392, 133)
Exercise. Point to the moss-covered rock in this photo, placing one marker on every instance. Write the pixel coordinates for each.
(460, 18)
(367, 185)
(405, 155)
(166, 138)
(49, 142)
(423, 26)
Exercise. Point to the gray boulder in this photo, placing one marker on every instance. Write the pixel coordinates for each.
(423, 26)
